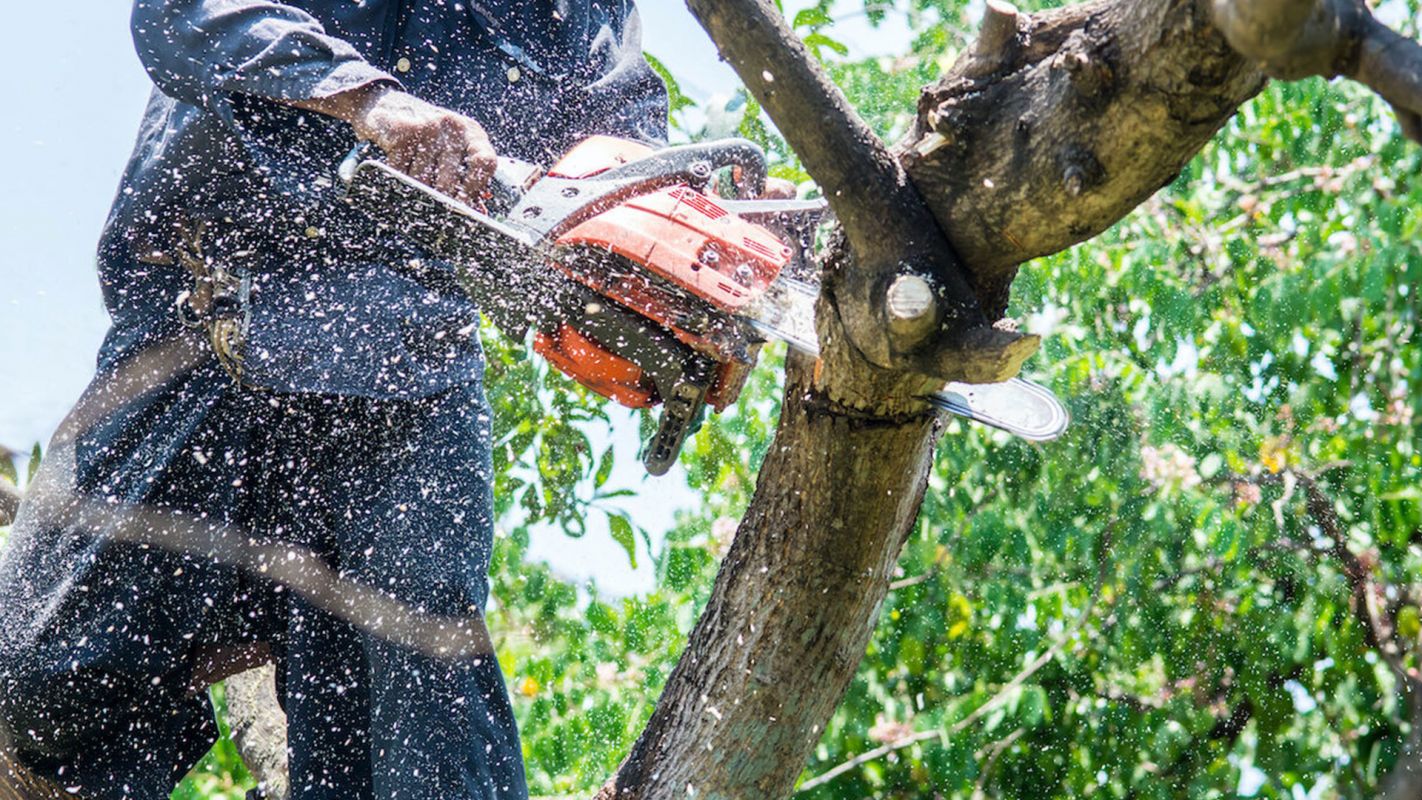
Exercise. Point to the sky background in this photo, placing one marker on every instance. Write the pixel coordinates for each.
(72, 102)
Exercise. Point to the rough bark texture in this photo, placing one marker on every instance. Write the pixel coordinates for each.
(1404, 780)
(259, 729)
(793, 606)
(1031, 146)
(1030, 156)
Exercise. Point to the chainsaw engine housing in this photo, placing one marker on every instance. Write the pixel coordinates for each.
(675, 256)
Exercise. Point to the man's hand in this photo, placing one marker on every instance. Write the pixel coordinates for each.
(434, 145)
(779, 189)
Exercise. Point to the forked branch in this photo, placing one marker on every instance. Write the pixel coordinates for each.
(905, 300)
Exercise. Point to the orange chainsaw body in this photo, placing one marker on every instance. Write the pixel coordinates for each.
(685, 262)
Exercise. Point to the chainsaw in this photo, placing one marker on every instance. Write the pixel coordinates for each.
(642, 280)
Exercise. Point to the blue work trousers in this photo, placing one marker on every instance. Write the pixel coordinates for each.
(103, 630)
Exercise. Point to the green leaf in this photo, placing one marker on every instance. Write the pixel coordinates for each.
(817, 40)
(34, 463)
(811, 18)
(622, 534)
(7, 467)
(677, 99)
(604, 468)
(1408, 622)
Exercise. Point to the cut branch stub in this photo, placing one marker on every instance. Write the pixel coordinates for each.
(885, 221)
(997, 40)
(912, 309)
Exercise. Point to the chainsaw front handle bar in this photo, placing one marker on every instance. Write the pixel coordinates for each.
(511, 178)
(695, 163)
(555, 205)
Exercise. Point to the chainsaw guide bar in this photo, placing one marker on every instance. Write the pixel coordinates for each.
(642, 284)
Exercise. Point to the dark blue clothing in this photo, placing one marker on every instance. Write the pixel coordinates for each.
(331, 308)
(99, 635)
(373, 450)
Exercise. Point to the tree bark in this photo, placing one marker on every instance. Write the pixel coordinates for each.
(259, 729)
(885, 223)
(1048, 136)
(793, 606)
(1404, 780)
(1292, 39)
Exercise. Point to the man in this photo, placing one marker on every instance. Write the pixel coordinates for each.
(285, 384)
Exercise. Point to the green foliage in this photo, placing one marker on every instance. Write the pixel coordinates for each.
(1148, 608)
(220, 775)
(677, 100)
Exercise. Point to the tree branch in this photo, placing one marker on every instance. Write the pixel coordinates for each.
(1293, 39)
(1045, 137)
(866, 757)
(993, 754)
(1377, 623)
(10, 498)
(259, 729)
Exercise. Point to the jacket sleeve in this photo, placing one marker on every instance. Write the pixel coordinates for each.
(202, 52)
(626, 95)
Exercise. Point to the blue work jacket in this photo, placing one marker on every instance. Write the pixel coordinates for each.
(333, 307)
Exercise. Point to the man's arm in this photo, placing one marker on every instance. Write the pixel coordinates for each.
(203, 52)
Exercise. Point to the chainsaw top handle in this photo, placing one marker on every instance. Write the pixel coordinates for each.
(695, 163)
(556, 204)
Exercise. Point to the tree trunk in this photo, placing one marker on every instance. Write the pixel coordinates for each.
(259, 729)
(1404, 780)
(794, 604)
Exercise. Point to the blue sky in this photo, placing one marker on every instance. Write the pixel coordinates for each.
(72, 100)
